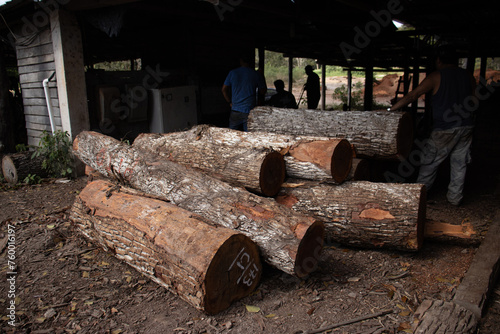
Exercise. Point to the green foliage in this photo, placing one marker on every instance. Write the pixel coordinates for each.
(341, 94)
(56, 151)
(357, 98)
(21, 148)
(32, 179)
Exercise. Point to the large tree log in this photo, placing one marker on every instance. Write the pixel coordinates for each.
(363, 214)
(288, 240)
(376, 134)
(16, 167)
(307, 157)
(206, 265)
(258, 169)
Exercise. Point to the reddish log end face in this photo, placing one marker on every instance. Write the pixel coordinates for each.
(234, 273)
(341, 162)
(272, 174)
(310, 248)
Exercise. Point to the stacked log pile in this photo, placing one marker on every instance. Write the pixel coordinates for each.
(288, 240)
(202, 174)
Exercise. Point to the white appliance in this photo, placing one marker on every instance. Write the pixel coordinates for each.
(173, 109)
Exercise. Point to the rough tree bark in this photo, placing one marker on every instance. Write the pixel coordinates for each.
(439, 316)
(376, 134)
(16, 167)
(363, 214)
(258, 169)
(307, 157)
(289, 241)
(206, 265)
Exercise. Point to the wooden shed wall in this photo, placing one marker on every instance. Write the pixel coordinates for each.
(36, 63)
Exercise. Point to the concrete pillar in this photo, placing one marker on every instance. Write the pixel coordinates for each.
(70, 72)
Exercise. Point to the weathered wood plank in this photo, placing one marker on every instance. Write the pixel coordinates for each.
(480, 279)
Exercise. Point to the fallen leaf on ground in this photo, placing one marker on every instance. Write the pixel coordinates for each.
(252, 309)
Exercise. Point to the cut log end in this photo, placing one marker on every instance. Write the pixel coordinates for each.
(405, 135)
(341, 161)
(9, 170)
(272, 174)
(310, 248)
(233, 274)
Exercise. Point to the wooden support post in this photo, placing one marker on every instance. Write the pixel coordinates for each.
(368, 102)
(482, 71)
(70, 72)
(323, 87)
(349, 89)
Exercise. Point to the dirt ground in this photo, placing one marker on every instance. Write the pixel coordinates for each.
(64, 284)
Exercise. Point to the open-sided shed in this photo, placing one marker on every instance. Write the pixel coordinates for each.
(195, 43)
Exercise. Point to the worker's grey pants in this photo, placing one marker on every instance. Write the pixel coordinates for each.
(441, 144)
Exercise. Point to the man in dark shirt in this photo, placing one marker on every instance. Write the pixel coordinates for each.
(283, 98)
(452, 88)
(312, 87)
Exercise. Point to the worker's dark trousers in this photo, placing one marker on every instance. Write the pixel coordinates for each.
(441, 144)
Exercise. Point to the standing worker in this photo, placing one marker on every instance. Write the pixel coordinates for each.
(240, 91)
(312, 87)
(452, 87)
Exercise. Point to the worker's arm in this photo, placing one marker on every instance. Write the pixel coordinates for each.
(226, 91)
(430, 83)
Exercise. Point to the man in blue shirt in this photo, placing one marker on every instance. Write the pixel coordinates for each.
(240, 91)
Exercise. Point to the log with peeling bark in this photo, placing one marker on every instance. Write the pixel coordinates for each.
(363, 214)
(289, 241)
(206, 265)
(16, 167)
(307, 157)
(376, 134)
(259, 169)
